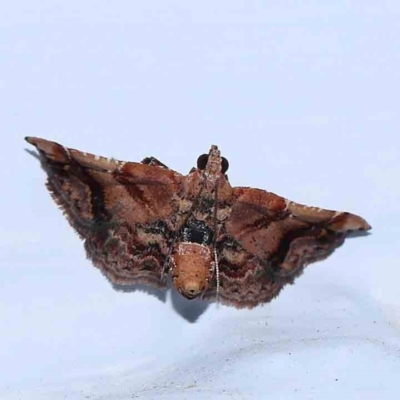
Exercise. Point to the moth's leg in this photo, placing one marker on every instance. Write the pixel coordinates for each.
(166, 267)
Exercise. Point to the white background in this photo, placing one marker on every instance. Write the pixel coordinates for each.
(302, 97)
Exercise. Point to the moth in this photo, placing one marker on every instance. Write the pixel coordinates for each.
(141, 222)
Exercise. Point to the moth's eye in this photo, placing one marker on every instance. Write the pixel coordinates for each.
(202, 161)
(224, 165)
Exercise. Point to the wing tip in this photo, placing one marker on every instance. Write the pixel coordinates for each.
(347, 222)
(50, 150)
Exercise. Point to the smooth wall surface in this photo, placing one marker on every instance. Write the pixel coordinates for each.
(301, 97)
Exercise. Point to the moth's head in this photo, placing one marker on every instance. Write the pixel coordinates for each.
(191, 268)
(212, 163)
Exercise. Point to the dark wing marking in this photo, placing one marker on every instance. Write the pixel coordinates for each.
(154, 162)
(267, 241)
(117, 207)
(244, 280)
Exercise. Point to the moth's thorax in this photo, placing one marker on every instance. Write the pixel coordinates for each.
(191, 268)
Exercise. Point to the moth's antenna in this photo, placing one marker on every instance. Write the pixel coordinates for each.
(216, 266)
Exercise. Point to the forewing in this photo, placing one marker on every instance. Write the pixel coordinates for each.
(124, 211)
(268, 240)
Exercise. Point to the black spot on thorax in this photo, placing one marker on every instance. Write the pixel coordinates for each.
(197, 232)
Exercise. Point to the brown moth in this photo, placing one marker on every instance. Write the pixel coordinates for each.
(143, 221)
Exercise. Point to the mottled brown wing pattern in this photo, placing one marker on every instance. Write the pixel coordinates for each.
(268, 240)
(117, 208)
(140, 220)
